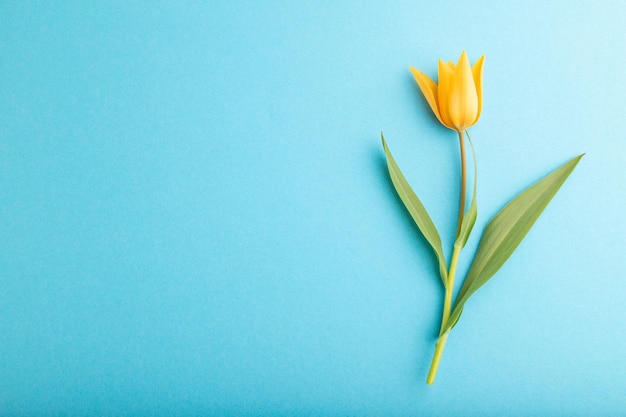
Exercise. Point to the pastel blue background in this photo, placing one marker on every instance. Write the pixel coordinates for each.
(196, 217)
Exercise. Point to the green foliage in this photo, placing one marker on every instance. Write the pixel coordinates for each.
(506, 231)
(418, 211)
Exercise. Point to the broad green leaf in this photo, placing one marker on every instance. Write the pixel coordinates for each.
(506, 231)
(417, 211)
(469, 218)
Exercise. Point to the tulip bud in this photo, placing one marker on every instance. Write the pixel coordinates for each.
(457, 100)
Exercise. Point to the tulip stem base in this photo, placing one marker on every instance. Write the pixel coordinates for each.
(447, 306)
(434, 366)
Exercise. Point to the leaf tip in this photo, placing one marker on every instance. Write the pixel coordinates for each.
(577, 159)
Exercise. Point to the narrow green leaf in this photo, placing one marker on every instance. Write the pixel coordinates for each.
(469, 218)
(417, 211)
(506, 231)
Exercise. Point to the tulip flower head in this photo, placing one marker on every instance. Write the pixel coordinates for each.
(457, 100)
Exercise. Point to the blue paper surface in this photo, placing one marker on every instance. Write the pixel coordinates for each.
(197, 218)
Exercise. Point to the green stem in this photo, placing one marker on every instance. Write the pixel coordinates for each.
(441, 343)
(462, 192)
(447, 303)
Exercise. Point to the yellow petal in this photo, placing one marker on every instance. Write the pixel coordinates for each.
(445, 79)
(429, 89)
(462, 99)
(451, 65)
(477, 72)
